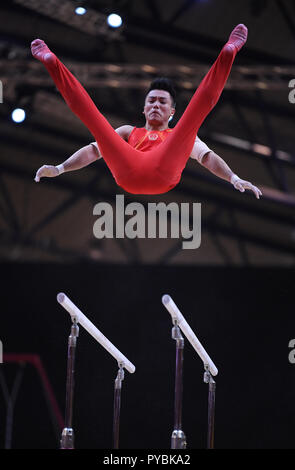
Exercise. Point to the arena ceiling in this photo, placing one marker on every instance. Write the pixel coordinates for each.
(251, 128)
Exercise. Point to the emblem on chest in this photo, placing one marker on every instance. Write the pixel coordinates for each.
(153, 136)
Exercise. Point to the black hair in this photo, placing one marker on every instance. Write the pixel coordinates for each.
(163, 83)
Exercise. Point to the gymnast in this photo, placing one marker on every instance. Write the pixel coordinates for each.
(148, 160)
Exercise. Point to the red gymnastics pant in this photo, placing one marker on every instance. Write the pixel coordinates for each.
(158, 170)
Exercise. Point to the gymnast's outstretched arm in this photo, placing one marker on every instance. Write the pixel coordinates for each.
(80, 159)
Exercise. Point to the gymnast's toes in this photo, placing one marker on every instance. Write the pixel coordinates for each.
(239, 36)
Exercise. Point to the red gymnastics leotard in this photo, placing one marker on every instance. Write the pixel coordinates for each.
(152, 171)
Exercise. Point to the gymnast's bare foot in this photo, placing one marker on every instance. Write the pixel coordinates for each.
(41, 52)
(238, 36)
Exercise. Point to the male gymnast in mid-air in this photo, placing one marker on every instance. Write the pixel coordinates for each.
(148, 160)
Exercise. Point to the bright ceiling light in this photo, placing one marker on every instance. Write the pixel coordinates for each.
(80, 11)
(18, 115)
(114, 20)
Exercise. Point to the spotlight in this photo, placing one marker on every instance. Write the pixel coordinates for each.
(114, 20)
(80, 11)
(18, 115)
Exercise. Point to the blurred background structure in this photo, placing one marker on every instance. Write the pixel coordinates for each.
(247, 251)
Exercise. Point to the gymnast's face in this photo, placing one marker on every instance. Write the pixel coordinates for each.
(158, 107)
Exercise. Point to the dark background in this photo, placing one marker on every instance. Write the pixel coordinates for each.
(243, 317)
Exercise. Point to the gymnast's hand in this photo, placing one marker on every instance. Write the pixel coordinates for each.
(46, 170)
(241, 185)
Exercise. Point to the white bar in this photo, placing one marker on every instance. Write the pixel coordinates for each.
(184, 326)
(77, 315)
